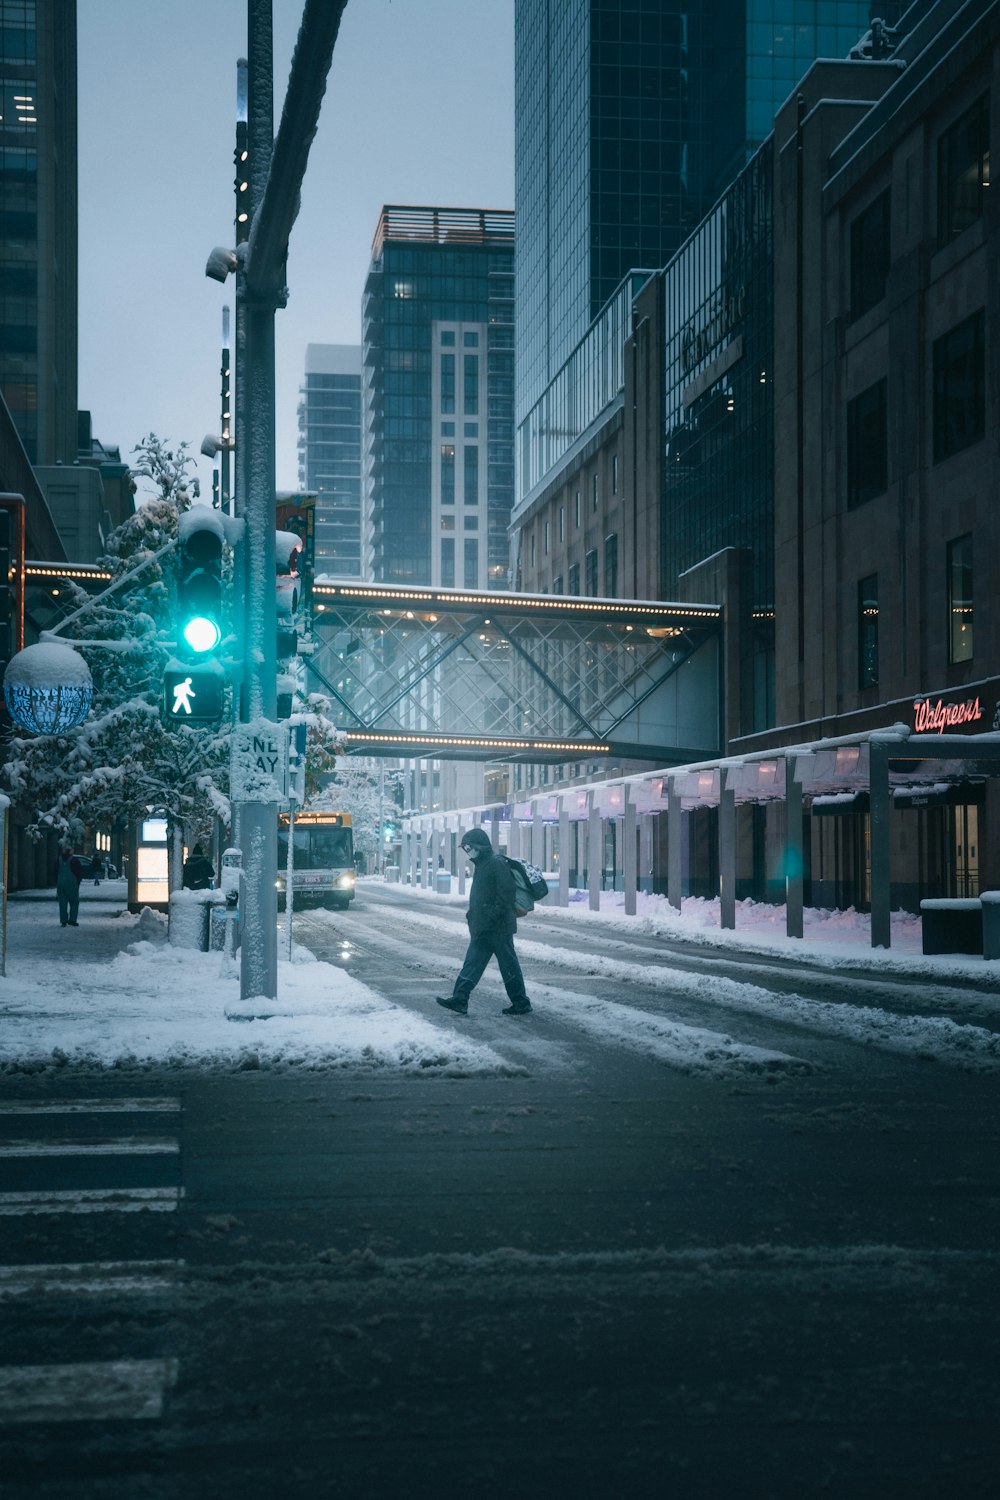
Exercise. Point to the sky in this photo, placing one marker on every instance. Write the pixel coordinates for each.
(418, 110)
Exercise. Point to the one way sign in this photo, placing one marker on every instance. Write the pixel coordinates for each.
(193, 694)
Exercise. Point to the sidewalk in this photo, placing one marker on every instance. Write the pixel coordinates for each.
(105, 929)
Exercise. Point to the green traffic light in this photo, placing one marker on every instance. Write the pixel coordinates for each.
(202, 633)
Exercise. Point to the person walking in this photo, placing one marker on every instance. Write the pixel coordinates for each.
(69, 873)
(492, 925)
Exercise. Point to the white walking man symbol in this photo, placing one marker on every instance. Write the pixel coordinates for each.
(183, 693)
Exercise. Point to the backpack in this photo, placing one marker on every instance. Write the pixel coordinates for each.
(530, 885)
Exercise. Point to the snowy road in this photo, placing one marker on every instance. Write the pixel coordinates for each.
(706, 1224)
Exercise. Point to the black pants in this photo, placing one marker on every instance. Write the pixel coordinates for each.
(481, 949)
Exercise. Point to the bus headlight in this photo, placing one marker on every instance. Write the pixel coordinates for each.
(344, 881)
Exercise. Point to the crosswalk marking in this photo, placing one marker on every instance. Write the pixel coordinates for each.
(92, 1277)
(92, 1201)
(136, 1106)
(123, 1145)
(130, 1389)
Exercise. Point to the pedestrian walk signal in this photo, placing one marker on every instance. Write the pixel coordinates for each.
(193, 694)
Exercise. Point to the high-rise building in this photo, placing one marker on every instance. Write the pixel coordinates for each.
(38, 225)
(438, 396)
(330, 454)
(632, 117)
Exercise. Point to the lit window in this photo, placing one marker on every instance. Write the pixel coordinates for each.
(960, 608)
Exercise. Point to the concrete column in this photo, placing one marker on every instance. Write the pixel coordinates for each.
(564, 838)
(595, 851)
(727, 852)
(878, 773)
(629, 861)
(645, 874)
(794, 851)
(675, 829)
(514, 842)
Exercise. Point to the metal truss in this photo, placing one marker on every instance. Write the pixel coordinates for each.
(458, 674)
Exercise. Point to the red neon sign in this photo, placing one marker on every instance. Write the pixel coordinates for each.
(936, 717)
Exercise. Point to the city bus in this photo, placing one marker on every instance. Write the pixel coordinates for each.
(322, 860)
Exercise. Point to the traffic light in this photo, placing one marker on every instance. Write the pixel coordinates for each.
(200, 539)
(287, 557)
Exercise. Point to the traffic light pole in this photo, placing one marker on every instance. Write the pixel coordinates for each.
(275, 177)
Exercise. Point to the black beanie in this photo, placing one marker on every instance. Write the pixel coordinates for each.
(476, 839)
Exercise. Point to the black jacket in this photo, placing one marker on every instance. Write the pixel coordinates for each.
(491, 900)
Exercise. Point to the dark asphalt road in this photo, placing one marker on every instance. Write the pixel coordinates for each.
(600, 1276)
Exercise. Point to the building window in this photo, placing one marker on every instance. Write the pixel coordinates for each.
(447, 382)
(614, 473)
(472, 523)
(471, 384)
(576, 506)
(869, 255)
(959, 387)
(471, 562)
(868, 632)
(963, 171)
(403, 290)
(594, 491)
(531, 549)
(448, 563)
(448, 338)
(470, 340)
(867, 445)
(545, 538)
(447, 523)
(960, 599)
(447, 473)
(557, 584)
(590, 574)
(470, 474)
(574, 580)
(611, 567)
(562, 523)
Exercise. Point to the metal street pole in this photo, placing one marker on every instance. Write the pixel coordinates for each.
(276, 169)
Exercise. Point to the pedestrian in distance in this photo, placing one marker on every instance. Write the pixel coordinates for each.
(69, 873)
(198, 873)
(492, 924)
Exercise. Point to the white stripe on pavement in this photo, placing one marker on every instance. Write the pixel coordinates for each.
(93, 1201)
(89, 1106)
(123, 1388)
(91, 1277)
(123, 1145)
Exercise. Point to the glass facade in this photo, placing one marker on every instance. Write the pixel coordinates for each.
(719, 467)
(38, 187)
(631, 120)
(330, 454)
(437, 397)
(19, 217)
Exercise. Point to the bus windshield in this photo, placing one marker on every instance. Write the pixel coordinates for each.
(317, 847)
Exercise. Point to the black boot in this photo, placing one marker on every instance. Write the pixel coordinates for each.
(455, 1003)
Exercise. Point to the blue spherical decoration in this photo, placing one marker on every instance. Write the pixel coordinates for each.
(48, 688)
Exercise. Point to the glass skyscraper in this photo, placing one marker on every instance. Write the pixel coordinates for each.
(632, 117)
(438, 394)
(330, 454)
(38, 225)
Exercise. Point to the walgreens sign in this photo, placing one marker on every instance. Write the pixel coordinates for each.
(934, 718)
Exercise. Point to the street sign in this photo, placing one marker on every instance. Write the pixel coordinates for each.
(259, 767)
(193, 694)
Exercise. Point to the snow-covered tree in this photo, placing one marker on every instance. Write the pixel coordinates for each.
(354, 788)
(123, 759)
